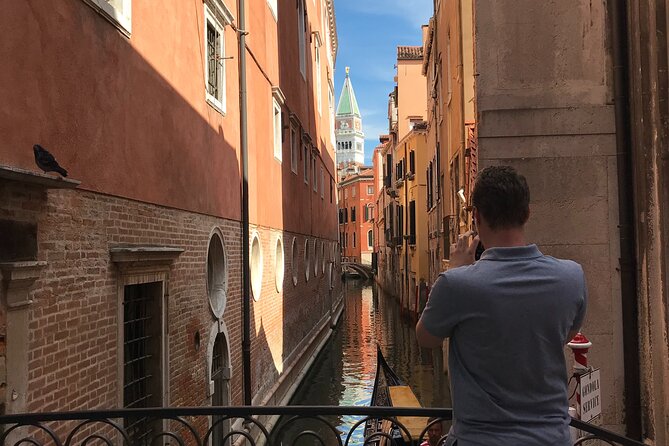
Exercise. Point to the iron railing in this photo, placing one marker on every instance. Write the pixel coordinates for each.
(193, 426)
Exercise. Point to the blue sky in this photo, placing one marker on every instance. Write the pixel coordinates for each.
(369, 32)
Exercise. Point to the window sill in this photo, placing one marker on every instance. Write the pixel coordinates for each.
(120, 21)
(215, 104)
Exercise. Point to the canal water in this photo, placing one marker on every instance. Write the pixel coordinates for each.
(344, 372)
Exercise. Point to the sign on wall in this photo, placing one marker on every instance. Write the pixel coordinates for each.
(591, 401)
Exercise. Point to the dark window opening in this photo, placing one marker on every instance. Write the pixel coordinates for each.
(142, 358)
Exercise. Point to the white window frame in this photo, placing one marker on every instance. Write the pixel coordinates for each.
(314, 178)
(307, 163)
(273, 8)
(276, 125)
(317, 63)
(301, 38)
(119, 17)
(219, 17)
(322, 183)
(294, 149)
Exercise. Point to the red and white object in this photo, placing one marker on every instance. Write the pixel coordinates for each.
(580, 346)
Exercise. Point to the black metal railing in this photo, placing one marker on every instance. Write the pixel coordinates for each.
(240, 425)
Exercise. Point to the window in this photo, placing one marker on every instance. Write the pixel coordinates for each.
(215, 54)
(412, 162)
(277, 130)
(370, 190)
(353, 189)
(412, 222)
(370, 239)
(256, 267)
(307, 258)
(142, 356)
(354, 239)
(294, 149)
(306, 164)
(301, 36)
(352, 213)
(345, 193)
(279, 265)
(317, 59)
(272, 7)
(332, 112)
(293, 260)
(118, 12)
(365, 212)
(322, 183)
(314, 178)
(217, 275)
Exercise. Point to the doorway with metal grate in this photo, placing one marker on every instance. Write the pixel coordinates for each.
(142, 356)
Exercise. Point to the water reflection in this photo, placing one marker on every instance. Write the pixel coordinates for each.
(343, 374)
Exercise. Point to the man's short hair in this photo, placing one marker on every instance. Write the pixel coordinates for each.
(502, 197)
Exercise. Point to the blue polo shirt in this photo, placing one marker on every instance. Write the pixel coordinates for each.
(508, 317)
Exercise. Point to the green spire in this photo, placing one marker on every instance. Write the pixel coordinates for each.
(347, 102)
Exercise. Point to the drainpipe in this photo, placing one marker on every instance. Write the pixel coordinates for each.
(246, 271)
(628, 264)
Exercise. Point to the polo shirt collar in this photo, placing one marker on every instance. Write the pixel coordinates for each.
(512, 253)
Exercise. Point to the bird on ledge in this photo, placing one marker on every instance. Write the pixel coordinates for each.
(46, 161)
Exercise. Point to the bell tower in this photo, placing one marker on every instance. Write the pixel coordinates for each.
(348, 127)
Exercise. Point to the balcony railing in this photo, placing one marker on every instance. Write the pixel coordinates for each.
(229, 425)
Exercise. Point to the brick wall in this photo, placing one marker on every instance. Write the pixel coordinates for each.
(72, 354)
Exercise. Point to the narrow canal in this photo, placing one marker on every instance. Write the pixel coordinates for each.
(343, 374)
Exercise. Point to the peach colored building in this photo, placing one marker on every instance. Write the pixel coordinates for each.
(141, 105)
(407, 105)
(356, 213)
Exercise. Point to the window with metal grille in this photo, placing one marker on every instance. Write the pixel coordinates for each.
(214, 61)
(142, 358)
(216, 16)
(220, 375)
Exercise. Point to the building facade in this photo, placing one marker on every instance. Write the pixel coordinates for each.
(400, 260)
(348, 129)
(448, 68)
(356, 216)
(141, 250)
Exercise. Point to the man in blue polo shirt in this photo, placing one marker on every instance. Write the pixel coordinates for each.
(508, 317)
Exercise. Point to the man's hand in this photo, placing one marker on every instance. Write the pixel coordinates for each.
(463, 251)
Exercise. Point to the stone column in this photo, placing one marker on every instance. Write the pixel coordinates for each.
(17, 279)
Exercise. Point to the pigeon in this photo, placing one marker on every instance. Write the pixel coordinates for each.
(46, 161)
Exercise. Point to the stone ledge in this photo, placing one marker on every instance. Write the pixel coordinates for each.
(143, 254)
(18, 277)
(26, 176)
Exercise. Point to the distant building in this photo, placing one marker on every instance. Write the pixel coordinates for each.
(401, 160)
(356, 213)
(348, 128)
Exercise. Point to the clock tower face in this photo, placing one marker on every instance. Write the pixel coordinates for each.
(344, 124)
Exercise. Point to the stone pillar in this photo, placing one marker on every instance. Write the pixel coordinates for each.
(17, 279)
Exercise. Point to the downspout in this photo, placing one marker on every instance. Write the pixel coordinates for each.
(628, 263)
(246, 272)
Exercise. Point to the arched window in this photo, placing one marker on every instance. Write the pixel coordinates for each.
(370, 239)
